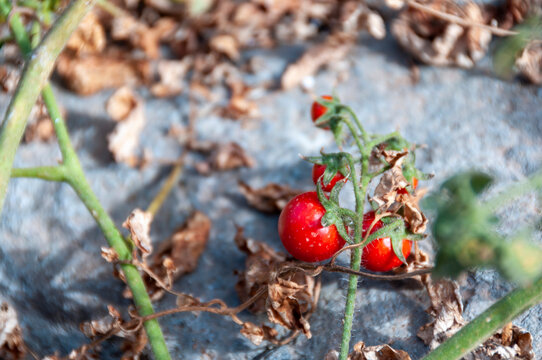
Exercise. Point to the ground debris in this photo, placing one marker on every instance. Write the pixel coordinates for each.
(379, 352)
(11, 336)
(222, 157)
(272, 198)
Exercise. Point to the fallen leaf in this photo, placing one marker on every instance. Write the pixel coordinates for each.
(333, 49)
(256, 334)
(379, 352)
(139, 224)
(271, 198)
(91, 74)
(179, 254)
(529, 63)
(89, 37)
(225, 44)
(355, 16)
(438, 42)
(171, 74)
(11, 336)
(109, 254)
(127, 109)
(224, 157)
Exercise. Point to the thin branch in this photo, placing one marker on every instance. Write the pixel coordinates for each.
(49, 173)
(162, 195)
(459, 21)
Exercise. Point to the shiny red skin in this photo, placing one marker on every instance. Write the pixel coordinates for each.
(378, 255)
(318, 109)
(318, 170)
(302, 233)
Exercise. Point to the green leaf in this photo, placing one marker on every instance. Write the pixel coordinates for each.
(397, 246)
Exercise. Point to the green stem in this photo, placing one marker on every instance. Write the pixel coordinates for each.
(49, 173)
(33, 79)
(72, 172)
(364, 134)
(382, 138)
(514, 191)
(488, 322)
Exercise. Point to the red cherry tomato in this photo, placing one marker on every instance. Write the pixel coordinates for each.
(302, 233)
(414, 186)
(378, 255)
(318, 109)
(318, 170)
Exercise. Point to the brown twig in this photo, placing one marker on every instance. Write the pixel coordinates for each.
(459, 21)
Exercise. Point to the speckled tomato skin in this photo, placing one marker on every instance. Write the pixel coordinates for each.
(318, 170)
(302, 233)
(378, 255)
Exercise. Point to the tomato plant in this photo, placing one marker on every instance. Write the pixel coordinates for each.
(318, 170)
(378, 255)
(301, 230)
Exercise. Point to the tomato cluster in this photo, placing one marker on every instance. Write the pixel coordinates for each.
(306, 239)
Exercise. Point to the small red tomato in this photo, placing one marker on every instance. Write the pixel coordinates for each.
(414, 186)
(302, 233)
(378, 255)
(318, 170)
(318, 109)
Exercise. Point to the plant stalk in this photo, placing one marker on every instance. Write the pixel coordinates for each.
(33, 79)
(488, 322)
(72, 173)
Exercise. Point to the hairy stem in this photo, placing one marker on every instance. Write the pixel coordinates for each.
(49, 173)
(488, 322)
(33, 79)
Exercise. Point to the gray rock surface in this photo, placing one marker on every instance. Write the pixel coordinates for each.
(50, 264)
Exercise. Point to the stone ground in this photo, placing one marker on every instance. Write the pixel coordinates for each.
(51, 270)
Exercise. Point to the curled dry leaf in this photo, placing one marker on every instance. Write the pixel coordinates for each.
(89, 37)
(225, 44)
(438, 42)
(224, 157)
(388, 197)
(90, 74)
(379, 352)
(11, 336)
(355, 15)
(271, 198)
(39, 126)
(256, 334)
(529, 63)
(109, 254)
(291, 295)
(171, 74)
(333, 49)
(240, 106)
(446, 309)
(139, 224)
(511, 342)
(179, 254)
(127, 109)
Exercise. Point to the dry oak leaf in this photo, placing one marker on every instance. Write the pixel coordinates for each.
(179, 254)
(89, 37)
(437, 42)
(446, 309)
(11, 336)
(272, 198)
(90, 74)
(225, 157)
(529, 63)
(335, 48)
(139, 224)
(256, 334)
(127, 109)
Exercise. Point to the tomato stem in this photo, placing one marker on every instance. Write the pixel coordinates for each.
(34, 79)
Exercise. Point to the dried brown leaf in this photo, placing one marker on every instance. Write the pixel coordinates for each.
(39, 126)
(127, 108)
(446, 309)
(379, 352)
(529, 63)
(139, 225)
(11, 336)
(225, 157)
(171, 74)
(256, 334)
(271, 198)
(438, 42)
(333, 49)
(109, 254)
(179, 254)
(512, 342)
(89, 37)
(239, 106)
(225, 44)
(355, 15)
(9, 78)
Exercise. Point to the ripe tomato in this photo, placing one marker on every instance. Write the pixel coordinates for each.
(378, 255)
(318, 109)
(302, 233)
(318, 170)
